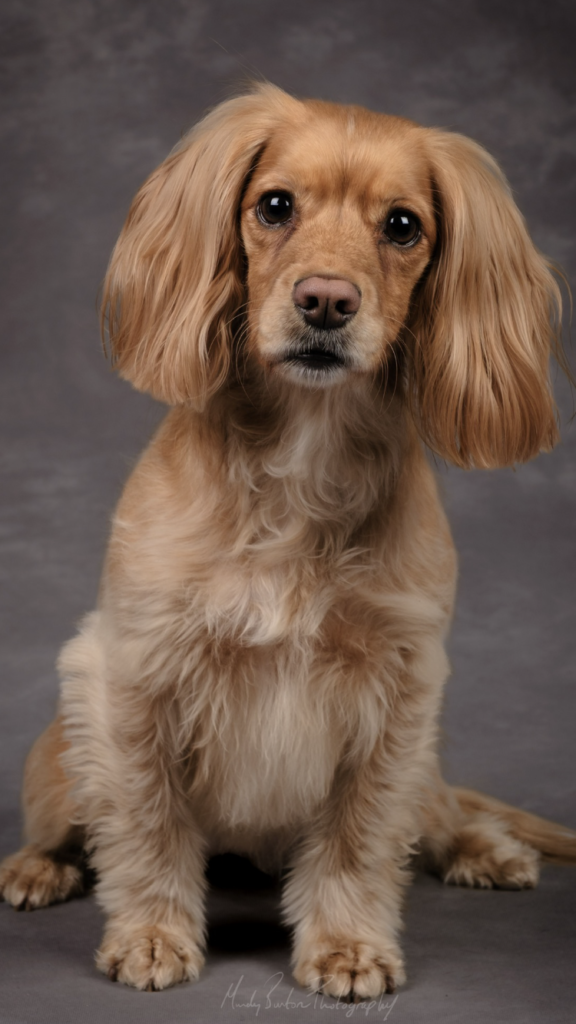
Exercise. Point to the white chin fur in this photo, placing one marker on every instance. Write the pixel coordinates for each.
(308, 377)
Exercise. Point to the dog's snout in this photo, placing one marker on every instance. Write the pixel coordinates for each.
(326, 302)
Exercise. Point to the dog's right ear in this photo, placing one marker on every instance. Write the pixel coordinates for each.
(174, 284)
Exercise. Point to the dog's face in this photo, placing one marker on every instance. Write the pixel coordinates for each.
(314, 236)
(338, 226)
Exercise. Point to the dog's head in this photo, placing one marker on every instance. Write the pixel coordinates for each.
(322, 240)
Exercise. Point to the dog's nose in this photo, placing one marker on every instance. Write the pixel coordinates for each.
(326, 302)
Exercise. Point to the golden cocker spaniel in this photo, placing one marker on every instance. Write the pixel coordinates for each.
(316, 290)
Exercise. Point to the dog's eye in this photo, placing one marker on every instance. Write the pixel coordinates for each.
(402, 227)
(275, 208)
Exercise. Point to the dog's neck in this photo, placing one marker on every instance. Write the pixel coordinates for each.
(310, 467)
(291, 492)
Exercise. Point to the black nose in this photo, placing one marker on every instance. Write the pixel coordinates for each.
(326, 302)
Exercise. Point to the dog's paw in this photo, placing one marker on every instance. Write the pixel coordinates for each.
(149, 958)
(349, 970)
(30, 879)
(489, 857)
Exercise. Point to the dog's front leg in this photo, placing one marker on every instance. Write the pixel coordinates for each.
(147, 849)
(343, 897)
(344, 893)
(149, 855)
(151, 883)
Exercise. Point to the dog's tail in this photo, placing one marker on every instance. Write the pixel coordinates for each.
(555, 843)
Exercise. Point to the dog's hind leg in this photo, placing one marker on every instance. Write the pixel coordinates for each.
(472, 839)
(50, 868)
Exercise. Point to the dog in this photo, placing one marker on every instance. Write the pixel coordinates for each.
(316, 290)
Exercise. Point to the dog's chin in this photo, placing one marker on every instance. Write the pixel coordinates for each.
(313, 367)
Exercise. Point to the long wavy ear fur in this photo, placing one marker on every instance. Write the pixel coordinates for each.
(174, 283)
(487, 319)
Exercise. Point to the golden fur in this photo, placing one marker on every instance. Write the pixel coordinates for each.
(265, 667)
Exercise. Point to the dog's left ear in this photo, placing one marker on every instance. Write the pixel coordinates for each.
(174, 284)
(486, 319)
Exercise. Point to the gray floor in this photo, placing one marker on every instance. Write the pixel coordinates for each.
(92, 96)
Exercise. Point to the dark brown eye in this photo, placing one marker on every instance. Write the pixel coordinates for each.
(275, 208)
(402, 227)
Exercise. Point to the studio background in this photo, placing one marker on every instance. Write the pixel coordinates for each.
(92, 97)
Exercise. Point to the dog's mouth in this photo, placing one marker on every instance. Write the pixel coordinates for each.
(317, 359)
